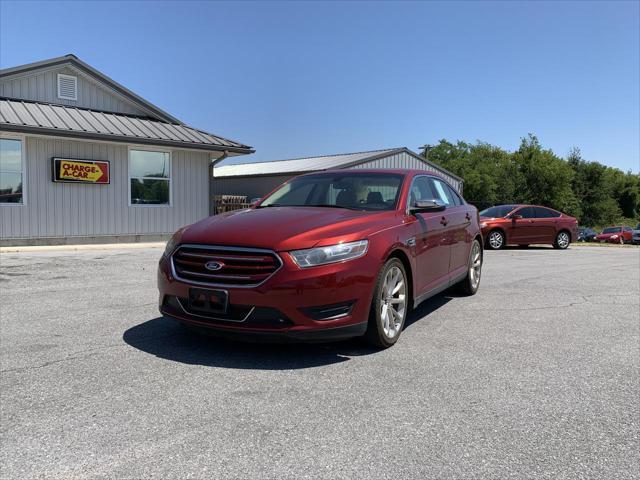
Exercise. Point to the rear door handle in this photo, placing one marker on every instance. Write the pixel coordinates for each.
(443, 222)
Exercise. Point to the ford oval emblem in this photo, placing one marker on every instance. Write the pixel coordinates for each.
(213, 266)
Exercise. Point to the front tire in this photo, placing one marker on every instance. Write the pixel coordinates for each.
(389, 306)
(495, 240)
(562, 240)
(471, 283)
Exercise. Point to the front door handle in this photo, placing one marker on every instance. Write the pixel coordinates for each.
(443, 222)
(467, 217)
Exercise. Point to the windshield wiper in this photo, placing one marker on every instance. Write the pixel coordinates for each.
(327, 205)
(271, 205)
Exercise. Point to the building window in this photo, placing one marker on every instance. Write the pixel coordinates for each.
(11, 171)
(149, 177)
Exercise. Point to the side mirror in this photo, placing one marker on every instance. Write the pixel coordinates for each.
(516, 217)
(254, 201)
(421, 206)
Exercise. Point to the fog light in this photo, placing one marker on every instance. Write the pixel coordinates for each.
(329, 312)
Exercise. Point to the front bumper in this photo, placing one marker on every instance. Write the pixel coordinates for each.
(286, 306)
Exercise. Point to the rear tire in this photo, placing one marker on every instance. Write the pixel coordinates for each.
(562, 240)
(389, 306)
(495, 240)
(471, 283)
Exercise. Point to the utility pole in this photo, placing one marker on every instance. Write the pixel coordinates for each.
(425, 151)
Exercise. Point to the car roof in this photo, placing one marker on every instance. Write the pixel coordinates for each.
(399, 171)
(520, 205)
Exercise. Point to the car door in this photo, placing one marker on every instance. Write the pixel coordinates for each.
(546, 222)
(458, 219)
(523, 230)
(430, 239)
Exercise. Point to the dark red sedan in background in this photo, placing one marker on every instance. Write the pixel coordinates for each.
(325, 256)
(620, 234)
(526, 224)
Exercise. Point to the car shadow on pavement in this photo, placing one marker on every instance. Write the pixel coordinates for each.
(166, 338)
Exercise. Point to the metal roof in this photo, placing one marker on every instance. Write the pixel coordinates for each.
(75, 62)
(296, 165)
(62, 120)
(311, 164)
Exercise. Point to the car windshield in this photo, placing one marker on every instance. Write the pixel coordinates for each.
(638, 226)
(612, 230)
(499, 211)
(351, 190)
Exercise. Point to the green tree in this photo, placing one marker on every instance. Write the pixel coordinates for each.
(595, 194)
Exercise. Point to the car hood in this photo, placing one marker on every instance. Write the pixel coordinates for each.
(287, 228)
(606, 235)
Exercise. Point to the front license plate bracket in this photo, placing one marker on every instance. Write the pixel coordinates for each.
(203, 300)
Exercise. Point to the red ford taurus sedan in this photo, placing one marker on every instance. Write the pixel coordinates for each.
(325, 256)
(526, 224)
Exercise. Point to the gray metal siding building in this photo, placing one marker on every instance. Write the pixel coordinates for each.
(64, 109)
(254, 180)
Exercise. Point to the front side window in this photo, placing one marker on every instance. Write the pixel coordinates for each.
(444, 193)
(497, 212)
(421, 189)
(150, 177)
(351, 190)
(11, 171)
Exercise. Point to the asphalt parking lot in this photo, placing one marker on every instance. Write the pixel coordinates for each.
(535, 376)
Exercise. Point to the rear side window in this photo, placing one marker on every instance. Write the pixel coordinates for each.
(542, 212)
(526, 212)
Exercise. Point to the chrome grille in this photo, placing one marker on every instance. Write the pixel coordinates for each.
(241, 267)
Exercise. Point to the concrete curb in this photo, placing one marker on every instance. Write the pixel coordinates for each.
(602, 245)
(105, 246)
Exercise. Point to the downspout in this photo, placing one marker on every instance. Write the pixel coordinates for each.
(212, 209)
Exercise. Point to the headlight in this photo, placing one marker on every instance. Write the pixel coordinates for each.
(483, 224)
(331, 254)
(173, 242)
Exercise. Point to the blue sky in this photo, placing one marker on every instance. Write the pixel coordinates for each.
(300, 79)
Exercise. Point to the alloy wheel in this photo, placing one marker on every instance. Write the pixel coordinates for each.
(475, 266)
(563, 240)
(496, 240)
(393, 302)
